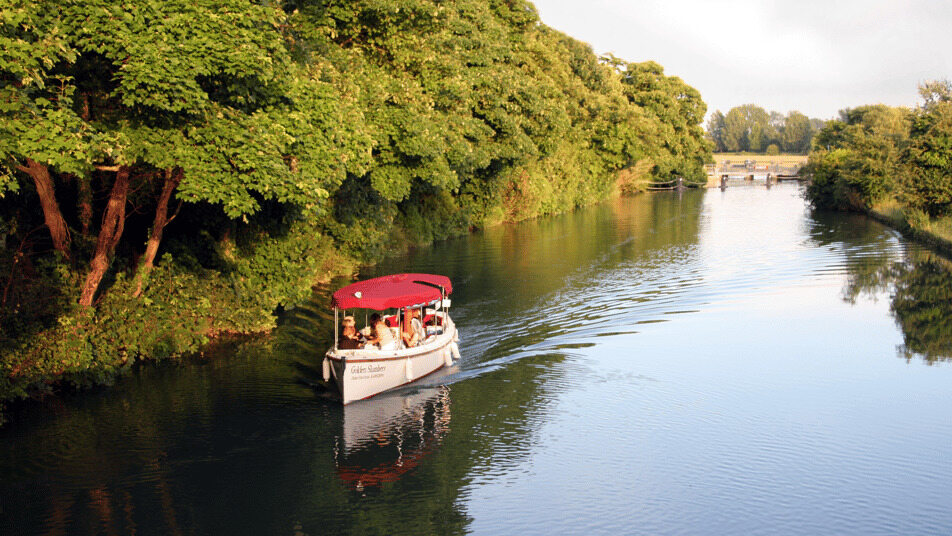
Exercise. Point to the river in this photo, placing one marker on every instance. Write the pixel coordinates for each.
(699, 363)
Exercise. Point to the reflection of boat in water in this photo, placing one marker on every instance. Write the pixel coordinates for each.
(364, 372)
(383, 441)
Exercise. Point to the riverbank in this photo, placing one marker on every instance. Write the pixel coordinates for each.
(915, 225)
(96, 347)
(179, 314)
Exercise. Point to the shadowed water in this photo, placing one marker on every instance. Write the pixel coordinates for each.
(703, 363)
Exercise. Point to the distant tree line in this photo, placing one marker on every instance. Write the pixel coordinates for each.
(174, 169)
(878, 153)
(749, 128)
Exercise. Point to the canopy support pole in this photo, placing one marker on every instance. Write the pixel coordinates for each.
(335, 328)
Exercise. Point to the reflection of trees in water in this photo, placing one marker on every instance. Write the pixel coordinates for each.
(922, 304)
(921, 301)
(235, 443)
(919, 284)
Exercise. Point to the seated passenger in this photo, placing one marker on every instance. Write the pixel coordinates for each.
(380, 334)
(417, 324)
(412, 328)
(349, 339)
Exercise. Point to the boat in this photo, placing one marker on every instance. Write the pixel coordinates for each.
(364, 372)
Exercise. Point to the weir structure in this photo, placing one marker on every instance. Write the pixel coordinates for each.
(719, 174)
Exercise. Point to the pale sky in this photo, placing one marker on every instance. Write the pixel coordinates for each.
(815, 56)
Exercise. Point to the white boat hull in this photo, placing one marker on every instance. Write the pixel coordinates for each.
(361, 374)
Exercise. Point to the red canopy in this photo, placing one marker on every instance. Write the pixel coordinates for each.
(397, 290)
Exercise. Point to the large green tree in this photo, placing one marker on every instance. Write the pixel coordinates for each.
(927, 178)
(196, 100)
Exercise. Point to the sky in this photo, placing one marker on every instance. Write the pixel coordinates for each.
(816, 57)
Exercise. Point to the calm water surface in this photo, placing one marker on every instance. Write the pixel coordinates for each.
(706, 363)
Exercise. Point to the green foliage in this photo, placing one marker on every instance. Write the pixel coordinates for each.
(300, 134)
(796, 133)
(875, 153)
(750, 128)
(739, 125)
(856, 160)
(716, 127)
(677, 145)
(934, 92)
(927, 182)
(429, 216)
(182, 306)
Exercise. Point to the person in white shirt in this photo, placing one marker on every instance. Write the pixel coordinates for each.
(380, 334)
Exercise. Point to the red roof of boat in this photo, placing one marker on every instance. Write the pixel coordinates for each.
(397, 290)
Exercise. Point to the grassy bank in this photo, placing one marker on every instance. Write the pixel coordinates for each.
(916, 225)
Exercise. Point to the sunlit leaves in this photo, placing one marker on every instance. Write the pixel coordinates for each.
(677, 144)
(856, 161)
(927, 182)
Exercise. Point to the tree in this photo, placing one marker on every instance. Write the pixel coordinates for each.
(856, 160)
(223, 115)
(735, 131)
(715, 131)
(235, 148)
(934, 92)
(927, 180)
(681, 149)
(774, 130)
(744, 128)
(797, 133)
(757, 138)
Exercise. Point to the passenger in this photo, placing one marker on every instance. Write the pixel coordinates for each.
(349, 339)
(412, 328)
(380, 334)
(417, 324)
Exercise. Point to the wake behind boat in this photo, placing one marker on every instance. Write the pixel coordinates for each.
(421, 338)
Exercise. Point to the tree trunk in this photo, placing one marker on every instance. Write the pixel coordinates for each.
(51, 211)
(172, 180)
(109, 234)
